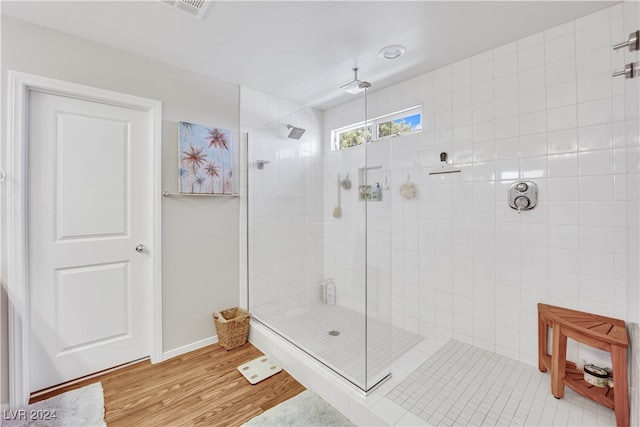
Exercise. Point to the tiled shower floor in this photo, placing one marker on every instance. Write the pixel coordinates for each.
(309, 328)
(437, 381)
(443, 382)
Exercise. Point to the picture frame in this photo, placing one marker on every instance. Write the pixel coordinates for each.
(205, 159)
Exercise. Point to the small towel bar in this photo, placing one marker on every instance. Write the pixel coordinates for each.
(168, 194)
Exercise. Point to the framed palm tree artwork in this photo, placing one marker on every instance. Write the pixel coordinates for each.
(206, 162)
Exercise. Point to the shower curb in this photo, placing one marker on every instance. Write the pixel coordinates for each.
(315, 376)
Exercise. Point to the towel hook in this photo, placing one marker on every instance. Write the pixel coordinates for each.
(633, 43)
(630, 71)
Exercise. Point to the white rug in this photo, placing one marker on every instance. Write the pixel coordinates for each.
(305, 409)
(83, 407)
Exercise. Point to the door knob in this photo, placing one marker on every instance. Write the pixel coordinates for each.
(140, 248)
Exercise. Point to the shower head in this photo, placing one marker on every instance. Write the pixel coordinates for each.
(295, 133)
(356, 85)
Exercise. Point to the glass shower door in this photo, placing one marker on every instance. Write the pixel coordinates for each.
(314, 277)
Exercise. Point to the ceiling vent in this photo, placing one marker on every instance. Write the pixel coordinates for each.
(195, 8)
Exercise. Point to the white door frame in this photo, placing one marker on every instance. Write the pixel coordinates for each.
(20, 84)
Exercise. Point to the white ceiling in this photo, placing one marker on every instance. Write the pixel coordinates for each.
(304, 50)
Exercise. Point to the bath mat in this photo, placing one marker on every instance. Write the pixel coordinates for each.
(81, 407)
(259, 369)
(305, 409)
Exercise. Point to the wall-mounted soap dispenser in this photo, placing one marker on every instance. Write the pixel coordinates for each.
(523, 196)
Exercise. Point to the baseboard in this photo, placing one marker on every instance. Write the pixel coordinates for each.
(86, 377)
(189, 347)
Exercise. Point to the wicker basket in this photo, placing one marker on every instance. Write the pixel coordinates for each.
(232, 327)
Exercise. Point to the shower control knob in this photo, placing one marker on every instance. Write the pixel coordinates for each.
(521, 202)
(523, 196)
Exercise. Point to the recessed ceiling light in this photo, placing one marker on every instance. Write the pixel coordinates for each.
(392, 52)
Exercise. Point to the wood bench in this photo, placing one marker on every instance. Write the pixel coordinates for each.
(601, 332)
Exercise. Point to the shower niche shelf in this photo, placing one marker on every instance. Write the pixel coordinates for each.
(369, 183)
(372, 193)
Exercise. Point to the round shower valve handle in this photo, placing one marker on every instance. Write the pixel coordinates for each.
(522, 187)
(521, 202)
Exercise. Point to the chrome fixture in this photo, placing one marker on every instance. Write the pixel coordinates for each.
(444, 167)
(170, 194)
(261, 163)
(392, 52)
(140, 248)
(631, 70)
(295, 133)
(633, 43)
(356, 85)
(523, 196)
(2, 175)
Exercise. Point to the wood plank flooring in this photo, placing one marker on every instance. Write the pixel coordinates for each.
(202, 388)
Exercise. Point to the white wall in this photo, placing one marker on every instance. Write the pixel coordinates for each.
(200, 238)
(546, 109)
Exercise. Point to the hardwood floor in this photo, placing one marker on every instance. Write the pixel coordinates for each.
(198, 388)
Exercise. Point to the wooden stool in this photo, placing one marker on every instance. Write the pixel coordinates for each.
(601, 332)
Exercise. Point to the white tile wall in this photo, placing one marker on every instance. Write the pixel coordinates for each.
(629, 132)
(627, 262)
(456, 260)
(285, 202)
(464, 264)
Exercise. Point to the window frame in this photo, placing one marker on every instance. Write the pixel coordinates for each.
(374, 124)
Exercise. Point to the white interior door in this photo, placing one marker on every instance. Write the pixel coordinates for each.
(89, 205)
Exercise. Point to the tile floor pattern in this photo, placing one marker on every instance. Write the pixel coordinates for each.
(309, 328)
(464, 385)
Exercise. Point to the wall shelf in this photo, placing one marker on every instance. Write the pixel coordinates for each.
(169, 194)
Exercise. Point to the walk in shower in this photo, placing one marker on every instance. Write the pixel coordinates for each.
(319, 269)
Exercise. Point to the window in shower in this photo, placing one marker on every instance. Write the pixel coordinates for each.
(351, 136)
(399, 123)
